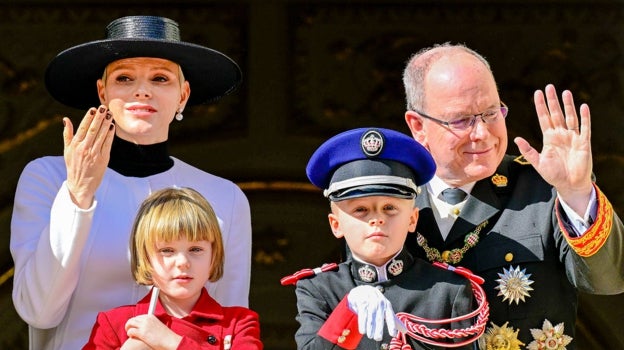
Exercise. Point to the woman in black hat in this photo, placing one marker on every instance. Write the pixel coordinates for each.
(72, 214)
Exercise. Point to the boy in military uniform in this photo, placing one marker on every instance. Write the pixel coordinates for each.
(371, 178)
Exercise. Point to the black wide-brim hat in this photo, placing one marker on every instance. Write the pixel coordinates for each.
(71, 76)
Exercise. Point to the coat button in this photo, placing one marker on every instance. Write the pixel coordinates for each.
(212, 339)
(509, 257)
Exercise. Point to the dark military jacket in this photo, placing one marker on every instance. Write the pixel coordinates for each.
(525, 230)
(420, 289)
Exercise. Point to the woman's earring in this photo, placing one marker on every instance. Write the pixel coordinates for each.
(179, 115)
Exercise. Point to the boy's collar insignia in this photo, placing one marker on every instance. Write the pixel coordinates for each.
(372, 143)
(395, 267)
(367, 273)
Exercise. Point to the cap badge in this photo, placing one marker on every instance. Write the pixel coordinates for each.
(367, 274)
(549, 337)
(372, 143)
(395, 267)
(514, 285)
(502, 337)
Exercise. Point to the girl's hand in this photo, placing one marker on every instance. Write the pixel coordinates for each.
(152, 332)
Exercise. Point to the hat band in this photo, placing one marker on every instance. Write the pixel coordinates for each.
(143, 27)
(372, 190)
(371, 180)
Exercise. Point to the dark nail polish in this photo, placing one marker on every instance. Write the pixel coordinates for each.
(102, 109)
(92, 111)
(109, 115)
(110, 127)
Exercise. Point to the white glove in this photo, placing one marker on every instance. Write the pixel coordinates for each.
(372, 308)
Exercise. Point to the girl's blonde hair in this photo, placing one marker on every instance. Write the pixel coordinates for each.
(171, 214)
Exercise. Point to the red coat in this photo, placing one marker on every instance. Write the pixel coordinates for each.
(204, 328)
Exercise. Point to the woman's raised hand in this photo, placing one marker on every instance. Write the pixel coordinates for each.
(87, 153)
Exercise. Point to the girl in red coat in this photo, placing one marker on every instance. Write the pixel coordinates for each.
(176, 247)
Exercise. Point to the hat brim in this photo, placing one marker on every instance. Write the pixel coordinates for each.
(71, 76)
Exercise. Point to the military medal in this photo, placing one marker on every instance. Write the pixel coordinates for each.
(367, 274)
(500, 338)
(514, 285)
(549, 337)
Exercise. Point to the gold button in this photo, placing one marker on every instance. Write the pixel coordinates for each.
(509, 257)
(341, 339)
(346, 332)
(456, 211)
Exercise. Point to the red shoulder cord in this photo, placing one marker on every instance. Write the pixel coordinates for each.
(427, 335)
(305, 273)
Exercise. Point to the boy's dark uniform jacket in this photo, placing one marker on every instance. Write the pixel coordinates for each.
(523, 230)
(421, 289)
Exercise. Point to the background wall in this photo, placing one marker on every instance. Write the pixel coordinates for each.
(312, 69)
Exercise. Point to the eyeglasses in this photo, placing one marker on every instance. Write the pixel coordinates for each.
(465, 122)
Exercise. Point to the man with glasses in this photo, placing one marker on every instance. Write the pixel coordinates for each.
(535, 226)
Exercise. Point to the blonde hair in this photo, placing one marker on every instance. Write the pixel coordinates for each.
(171, 214)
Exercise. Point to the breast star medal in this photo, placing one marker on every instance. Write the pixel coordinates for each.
(514, 285)
(500, 338)
(549, 337)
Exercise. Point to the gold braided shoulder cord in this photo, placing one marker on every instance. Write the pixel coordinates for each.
(452, 256)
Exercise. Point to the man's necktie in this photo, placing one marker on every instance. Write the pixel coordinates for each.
(453, 195)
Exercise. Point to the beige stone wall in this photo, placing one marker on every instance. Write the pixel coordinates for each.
(311, 69)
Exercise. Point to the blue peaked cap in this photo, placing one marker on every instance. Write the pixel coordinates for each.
(370, 161)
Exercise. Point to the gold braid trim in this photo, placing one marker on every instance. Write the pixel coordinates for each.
(596, 236)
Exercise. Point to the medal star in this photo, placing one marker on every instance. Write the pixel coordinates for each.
(500, 338)
(549, 337)
(514, 285)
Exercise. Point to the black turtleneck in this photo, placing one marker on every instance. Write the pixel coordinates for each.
(134, 160)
